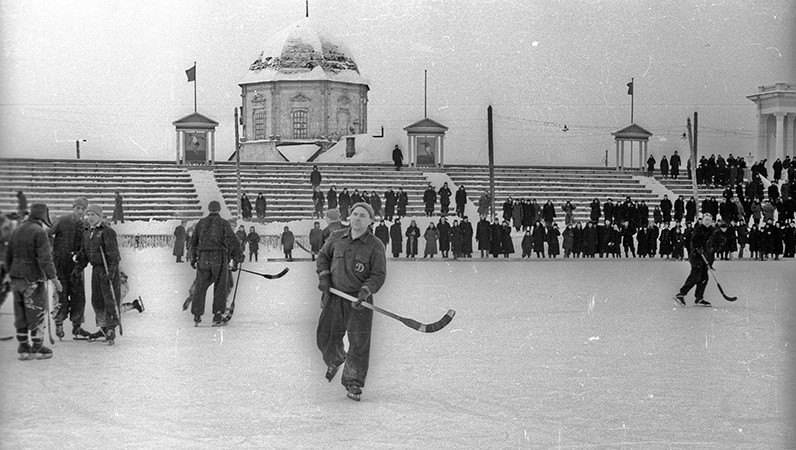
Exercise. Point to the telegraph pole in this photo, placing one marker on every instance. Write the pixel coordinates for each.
(491, 164)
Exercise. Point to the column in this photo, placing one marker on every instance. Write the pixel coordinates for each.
(762, 136)
(779, 148)
(631, 155)
(617, 154)
(211, 144)
(181, 145)
(410, 149)
(441, 151)
(622, 160)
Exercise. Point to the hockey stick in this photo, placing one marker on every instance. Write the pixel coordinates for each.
(424, 328)
(265, 275)
(713, 272)
(234, 296)
(113, 291)
(48, 317)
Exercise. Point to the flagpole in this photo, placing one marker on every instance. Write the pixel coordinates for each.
(632, 94)
(194, 87)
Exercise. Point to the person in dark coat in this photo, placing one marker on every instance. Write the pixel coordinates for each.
(495, 238)
(679, 209)
(650, 165)
(412, 235)
(539, 236)
(461, 201)
(179, 241)
(315, 177)
(553, 248)
(527, 244)
(259, 207)
(508, 208)
(590, 240)
(318, 201)
(507, 246)
(456, 239)
(690, 210)
(444, 236)
(430, 235)
(316, 239)
(254, 244)
(616, 241)
(594, 215)
(674, 165)
(665, 241)
(396, 237)
(664, 167)
(577, 240)
(666, 209)
(467, 237)
(397, 158)
(628, 234)
(548, 213)
(516, 214)
(483, 235)
(608, 210)
(246, 207)
(118, 209)
(429, 199)
(356, 197)
(652, 240)
(30, 266)
(344, 202)
(331, 198)
(288, 240)
(241, 235)
(375, 203)
(389, 204)
(568, 240)
(383, 233)
(22, 205)
(642, 241)
(604, 239)
(401, 201)
(444, 198)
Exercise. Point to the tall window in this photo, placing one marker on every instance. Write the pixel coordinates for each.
(300, 124)
(259, 123)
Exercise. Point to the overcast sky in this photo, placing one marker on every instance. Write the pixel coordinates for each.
(113, 72)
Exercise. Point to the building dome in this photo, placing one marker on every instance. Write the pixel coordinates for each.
(301, 52)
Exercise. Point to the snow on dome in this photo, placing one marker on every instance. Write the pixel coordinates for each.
(301, 52)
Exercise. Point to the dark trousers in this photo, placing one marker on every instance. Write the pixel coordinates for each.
(337, 319)
(698, 276)
(102, 299)
(29, 311)
(72, 299)
(212, 268)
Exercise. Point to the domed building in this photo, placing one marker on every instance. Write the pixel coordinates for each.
(303, 88)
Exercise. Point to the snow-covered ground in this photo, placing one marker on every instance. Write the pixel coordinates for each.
(541, 354)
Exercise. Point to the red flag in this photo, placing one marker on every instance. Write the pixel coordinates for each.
(630, 88)
(191, 73)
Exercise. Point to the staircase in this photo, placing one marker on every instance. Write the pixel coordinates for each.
(288, 193)
(151, 190)
(579, 185)
(682, 186)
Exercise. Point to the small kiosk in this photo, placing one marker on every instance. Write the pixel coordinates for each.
(426, 143)
(196, 139)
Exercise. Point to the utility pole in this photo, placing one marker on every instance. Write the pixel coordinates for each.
(491, 163)
(237, 162)
(692, 156)
(77, 148)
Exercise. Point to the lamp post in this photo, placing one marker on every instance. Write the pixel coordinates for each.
(77, 147)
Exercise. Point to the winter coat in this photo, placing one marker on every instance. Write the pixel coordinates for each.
(259, 206)
(568, 213)
(590, 240)
(484, 203)
(316, 239)
(254, 241)
(397, 238)
(456, 240)
(595, 211)
(516, 215)
(402, 199)
(118, 209)
(315, 177)
(496, 239)
(539, 236)
(213, 233)
(483, 234)
(431, 241)
(508, 243)
(383, 233)
(444, 235)
(467, 237)
(548, 212)
(331, 198)
(241, 235)
(412, 234)
(568, 239)
(527, 244)
(179, 241)
(665, 242)
(287, 240)
(444, 196)
(29, 255)
(375, 203)
(553, 247)
(246, 207)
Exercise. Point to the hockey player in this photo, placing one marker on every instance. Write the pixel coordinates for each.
(101, 249)
(705, 240)
(30, 265)
(213, 244)
(353, 261)
(67, 233)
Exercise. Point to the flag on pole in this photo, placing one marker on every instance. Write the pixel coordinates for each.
(191, 73)
(630, 88)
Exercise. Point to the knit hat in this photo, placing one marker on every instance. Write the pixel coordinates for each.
(95, 208)
(214, 206)
(80, 201)
(367, 207)
(333, 214)
(41, 212)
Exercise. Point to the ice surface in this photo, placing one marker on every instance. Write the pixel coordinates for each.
(541, 354)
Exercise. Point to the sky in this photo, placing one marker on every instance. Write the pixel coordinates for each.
(112, 73)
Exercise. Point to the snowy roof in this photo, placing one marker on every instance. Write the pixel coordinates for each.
(195, 120)
(632, 131)
(301, 52)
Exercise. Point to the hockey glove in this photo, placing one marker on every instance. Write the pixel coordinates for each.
(324, 283)
(363, 296)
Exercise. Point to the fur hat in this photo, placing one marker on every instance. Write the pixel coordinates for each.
(95, 208)
(40, 211)
(367, 207)
(333, 214)
(80, 201)
(214, 206)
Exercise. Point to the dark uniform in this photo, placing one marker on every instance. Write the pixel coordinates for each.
(67, 233)
(30, 265)
(704, 242)
(213, 244)
(96, 240)
(354, 266)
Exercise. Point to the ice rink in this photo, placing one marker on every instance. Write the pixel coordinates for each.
(541, 354)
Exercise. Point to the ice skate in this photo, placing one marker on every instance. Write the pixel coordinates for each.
(138, 304)
(197, 319)
(354, 393)
(110, 336)
(95, 335)
(218, 320)
(24, 351)
(79, 334)
(702, 302)
(680, 299)
(39, 351)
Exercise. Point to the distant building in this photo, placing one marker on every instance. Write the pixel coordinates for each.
(303, 88)
(776, 113)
